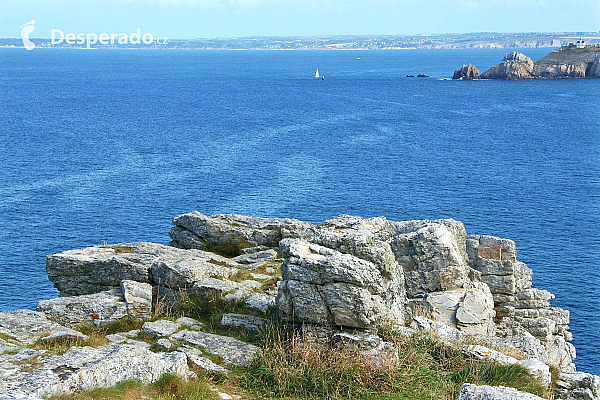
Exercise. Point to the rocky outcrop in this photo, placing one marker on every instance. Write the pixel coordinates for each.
(473, 392)
(566, 62)
(194, 230)
(353, 282)
(132, 299)
(513, 66)
(82, 368)
(467, 72)
(521, 309)
(27, 327)
(341, 281)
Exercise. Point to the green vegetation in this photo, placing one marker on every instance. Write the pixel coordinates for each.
(169, 387)
(228, 250)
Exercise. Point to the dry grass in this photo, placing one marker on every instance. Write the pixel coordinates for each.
(118, 249)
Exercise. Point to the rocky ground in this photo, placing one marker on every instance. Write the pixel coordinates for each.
(204, 305)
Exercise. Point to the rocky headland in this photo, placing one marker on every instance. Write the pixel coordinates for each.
(565, 62)
(348, 283)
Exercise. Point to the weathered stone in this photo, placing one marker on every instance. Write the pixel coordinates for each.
(578, 386)
(432, 255)
(478, 352)
(132, 300)
(323, 286)
(82, 368)
(260, 302)
(261, 277)
(160, 328)
(513, 66)
(233, 351)
(538, 370)
(473, 392)
(504, 284)
(138, 299)
(224, 228)
(164, 343)
(96, 269)
(27, 326)
(190, 323)
(260, 256)
(195, 356)
(116, 338)
(439, 329)
(470, 310)
(248, 322)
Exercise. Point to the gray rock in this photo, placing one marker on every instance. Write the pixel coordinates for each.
(100, 268)
(27, 326)
(233, 351)
(190, 323)
(82, 368)
(138, 343)
(223, 228)
(248, 322)
(473, 392)
(478, 352)
(132, 300)
(470, 310)
(67, 335)
(261, 277)
(164, 343)
(439, 329)
(323, 286)
(260, 256)
(260, 302)
(138, 299)
(160, 328)
(432, 254)
(195, 356)
(116, 338)
(538, 370)
(578, 386)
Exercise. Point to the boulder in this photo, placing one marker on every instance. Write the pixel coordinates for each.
(578, 386)
(248, 322)
(100, 268)
(432, 255)
(194, 355)
(470, 310)
(467, 72)
(132, 299)
(27, 326)
(232, 351)
(82, 368)
(473, 392)
(194, 230)
(324, 286)
(160, 328)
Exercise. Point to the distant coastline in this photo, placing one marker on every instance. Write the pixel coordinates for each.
(488, 40)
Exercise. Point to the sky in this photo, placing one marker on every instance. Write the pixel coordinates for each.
(236, 18)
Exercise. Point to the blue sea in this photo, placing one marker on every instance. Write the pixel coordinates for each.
(109, 145)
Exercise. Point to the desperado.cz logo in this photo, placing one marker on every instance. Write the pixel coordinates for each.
(57, 36)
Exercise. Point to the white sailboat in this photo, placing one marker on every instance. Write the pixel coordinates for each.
(317, 74)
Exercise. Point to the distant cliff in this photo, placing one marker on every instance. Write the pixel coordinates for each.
(565, 62)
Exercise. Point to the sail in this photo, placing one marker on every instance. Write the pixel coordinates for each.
(317, 73)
